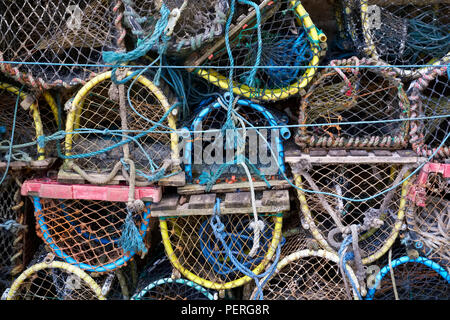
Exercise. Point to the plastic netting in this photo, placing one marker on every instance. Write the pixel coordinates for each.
(199, 22)
(286, 37)
(87, 233)
(330, 218)
(157, 282)
(429, 96)
(429, 223)
(194, 249)
(307, 275)
(208, 155)
(99, 126)
(409, 33)
(363, 95)
(56, 43)
(33, 118)
(13, 229)
(415, 278)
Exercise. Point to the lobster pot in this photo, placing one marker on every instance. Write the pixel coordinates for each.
(34, 119)
(16, 242)
(54, 280)
(363, 95)
(429, 96)
(428, 214)
(205, 154)
(279, 34)
(400, 32)
(52, 42)
(95, 128)
(308, 275)
(200, 22)
(84, 225)
(157, 282)
(201, 252)
(415, 279)
(330, 216)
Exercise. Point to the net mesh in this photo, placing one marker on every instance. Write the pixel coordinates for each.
(54, 41)
(38, 120)
(429, 96)
(285, 41)
(429, 226)
(98, 117)
(157, 282)
(200, 22)
(87, 233)
(400, 32)
(199, 255)
(379, 218)
(354, 95)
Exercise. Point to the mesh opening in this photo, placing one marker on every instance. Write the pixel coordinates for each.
(310, 276)
(157, 283)
(47, 34)
(87, 231)
(400, 34)
(354, 95)
(429, 97)
(429, 225)
(354, 182)
(414, 281)
(285, 43)
(52, 283)
(196, 248)
(213, 146)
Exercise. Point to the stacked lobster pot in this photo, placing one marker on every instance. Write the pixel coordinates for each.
(223, 229)
(197, 150)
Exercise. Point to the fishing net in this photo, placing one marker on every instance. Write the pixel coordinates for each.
(101, 234)
(54, 280)
(212, 155)
(307, 275)
(34, 119)
(15, 248)
(56, 43)
(274, 50)
(198, 22)
(158, 282)
(429, 96)
(102, 116)
(428, 215)
(200, 249)
(409, 33)
(410, 278)
(331, 218)
(366, 96)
